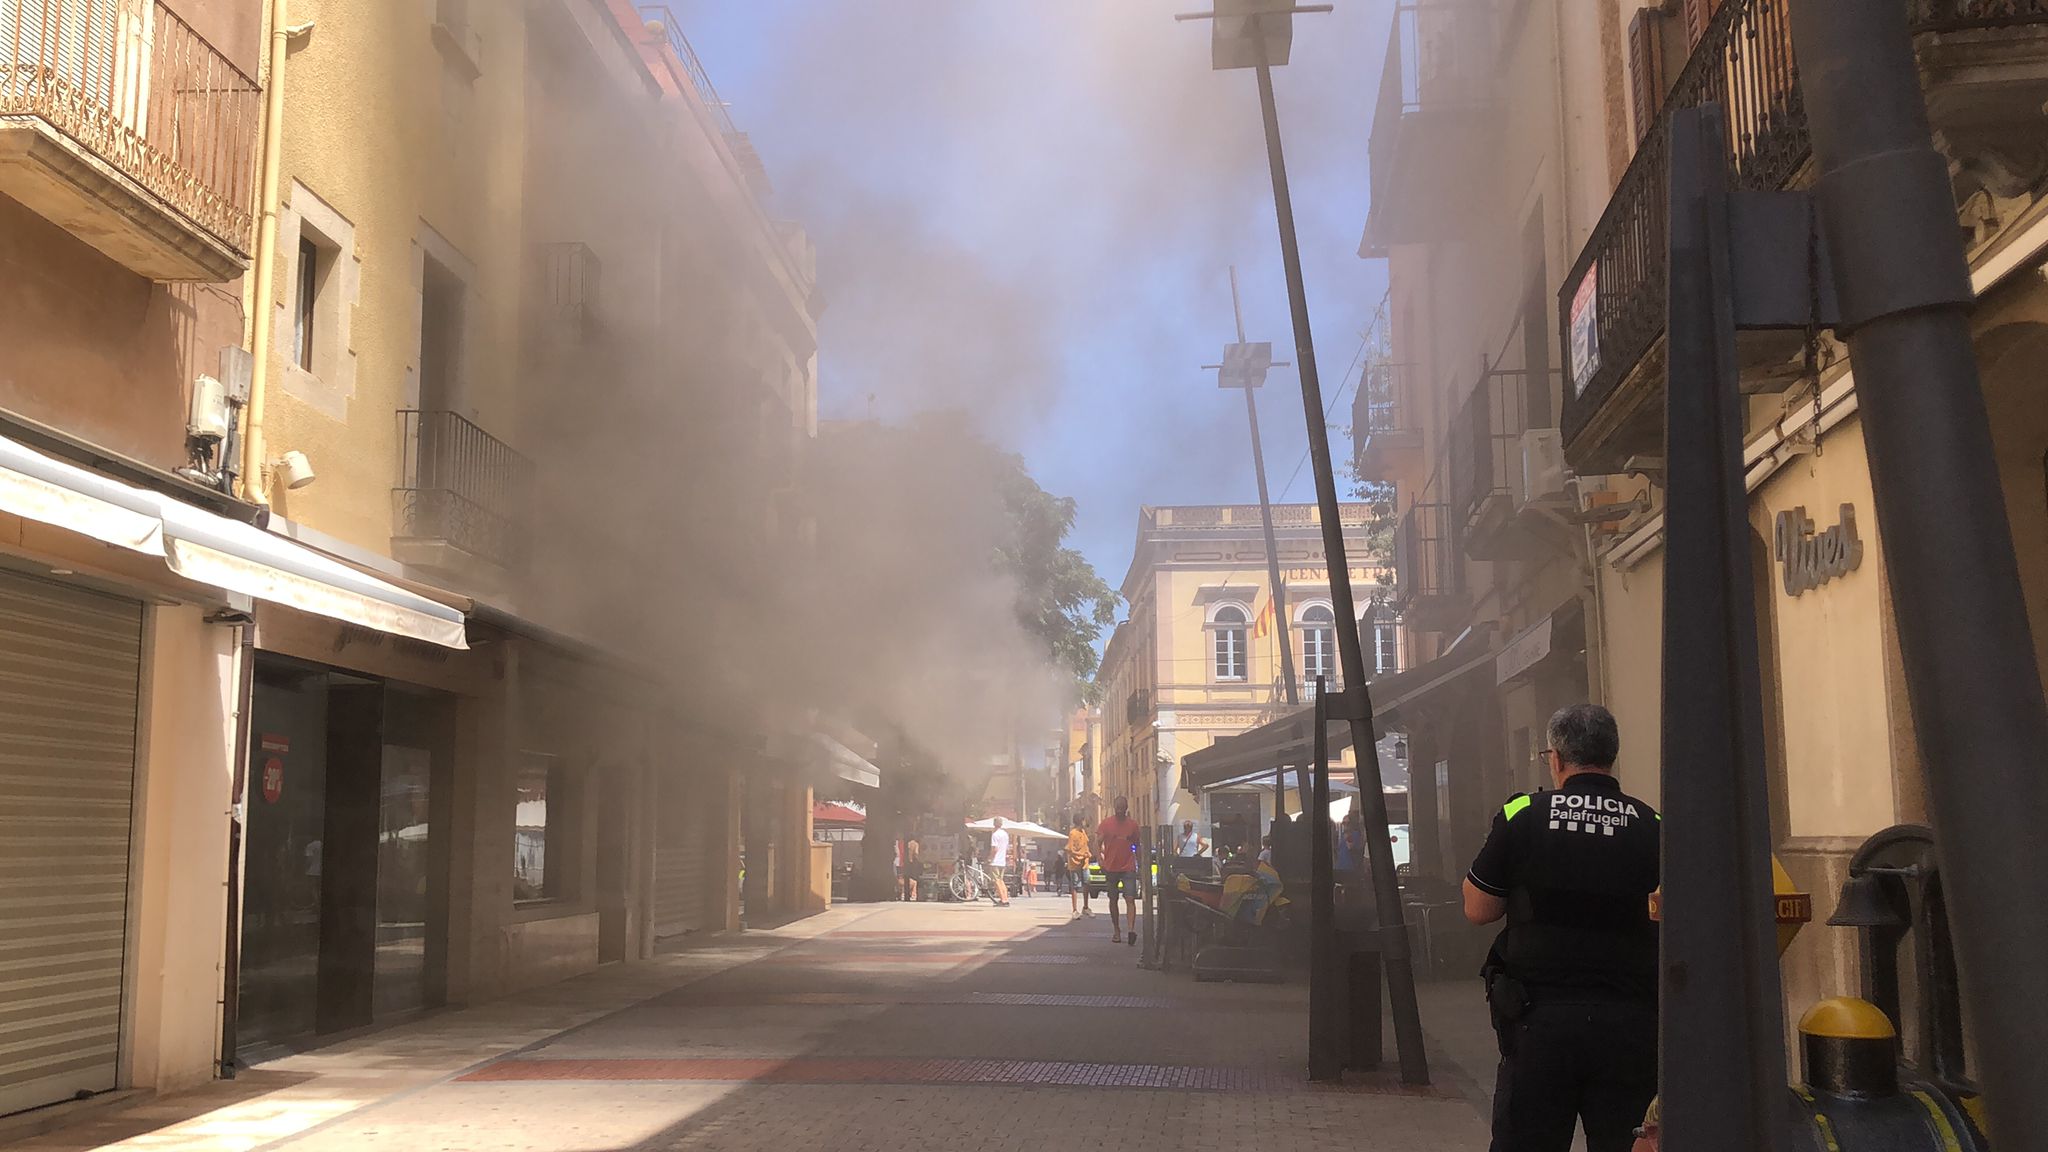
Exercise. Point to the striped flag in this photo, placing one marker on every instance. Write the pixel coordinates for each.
(1263, 626)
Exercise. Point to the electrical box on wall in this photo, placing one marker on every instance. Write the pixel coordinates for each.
(212, 417)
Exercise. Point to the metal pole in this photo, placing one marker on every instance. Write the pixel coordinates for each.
(1888, 209)
(1722, 1039)
(1351, 653)
(1279, 586)
(1329, 1014)
(1145, 838)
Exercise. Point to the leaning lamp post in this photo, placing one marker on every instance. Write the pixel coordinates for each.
(1258, 34)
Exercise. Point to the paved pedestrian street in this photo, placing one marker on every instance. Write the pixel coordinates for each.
(867, 1027)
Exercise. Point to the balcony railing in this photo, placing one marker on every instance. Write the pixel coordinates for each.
(1611, 306)
(1485, 449)
(672, 29)
(134, 85)
(1432, 572)
(1744, 61)
(1439, 71)
(461, 485)
(1137, 707)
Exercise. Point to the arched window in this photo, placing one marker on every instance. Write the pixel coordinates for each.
(1232, 662)
(1318, 644)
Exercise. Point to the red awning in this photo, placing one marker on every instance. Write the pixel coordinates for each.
(826, 812)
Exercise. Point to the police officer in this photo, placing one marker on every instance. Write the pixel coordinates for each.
(1572, 980)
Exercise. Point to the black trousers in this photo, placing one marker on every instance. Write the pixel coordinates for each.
(1565, 1062)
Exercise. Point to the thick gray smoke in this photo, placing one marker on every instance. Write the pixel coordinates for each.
(765, 576)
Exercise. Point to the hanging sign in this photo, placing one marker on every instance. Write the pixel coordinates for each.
(1811, 560)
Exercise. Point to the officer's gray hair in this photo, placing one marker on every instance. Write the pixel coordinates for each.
(1585, 736)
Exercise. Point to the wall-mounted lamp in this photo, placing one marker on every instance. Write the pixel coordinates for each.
(293, 470)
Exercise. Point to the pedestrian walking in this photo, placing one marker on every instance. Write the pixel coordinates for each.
(998, 861)
(912, 862)
(1077, 855)
(1118, 837)
(1572, 979)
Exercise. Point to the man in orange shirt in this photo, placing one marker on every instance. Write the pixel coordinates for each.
(1117, 838)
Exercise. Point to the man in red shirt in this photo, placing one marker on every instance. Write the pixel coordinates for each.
(1118, 852)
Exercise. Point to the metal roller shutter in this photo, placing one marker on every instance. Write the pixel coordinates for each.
(685, 843)
(70, 661)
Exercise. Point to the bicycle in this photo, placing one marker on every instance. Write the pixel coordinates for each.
(971, 882)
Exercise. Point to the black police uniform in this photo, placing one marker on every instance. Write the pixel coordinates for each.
(1573, 978)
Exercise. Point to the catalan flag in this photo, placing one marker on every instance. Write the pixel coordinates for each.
(1263, 626)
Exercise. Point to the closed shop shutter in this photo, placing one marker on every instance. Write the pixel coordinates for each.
(70, 661)
(687, 844)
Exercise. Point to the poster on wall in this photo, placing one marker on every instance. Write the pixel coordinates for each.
(274, 749)
(1585, 330)
(939, 849)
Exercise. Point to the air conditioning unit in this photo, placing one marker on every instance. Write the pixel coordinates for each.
(1543, 469)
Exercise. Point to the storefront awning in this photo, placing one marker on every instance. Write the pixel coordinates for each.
(1290, 740)
(846, 764)
(1406, 689)
(214, 550)
(1257, 753)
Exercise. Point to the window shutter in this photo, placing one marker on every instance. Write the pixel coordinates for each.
(1697, 14)
(1646, 69)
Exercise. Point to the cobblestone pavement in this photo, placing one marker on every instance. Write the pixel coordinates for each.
(868, 1027)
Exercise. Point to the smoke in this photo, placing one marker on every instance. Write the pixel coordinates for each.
(684, 517)
(999, 194)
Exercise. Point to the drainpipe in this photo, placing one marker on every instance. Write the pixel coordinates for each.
(238, 812)
(255, 472)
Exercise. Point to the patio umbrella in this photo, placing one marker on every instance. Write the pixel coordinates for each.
(1024, 828)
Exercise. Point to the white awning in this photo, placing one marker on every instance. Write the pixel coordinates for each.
(214, 550)
(846, 764)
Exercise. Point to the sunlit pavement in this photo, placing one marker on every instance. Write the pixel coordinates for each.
(868, 1027)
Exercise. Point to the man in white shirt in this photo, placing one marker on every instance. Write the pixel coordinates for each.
(998, 860)
(1191, 843)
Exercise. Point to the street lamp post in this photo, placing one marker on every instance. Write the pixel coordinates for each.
(1258, 34)
(1244, 366)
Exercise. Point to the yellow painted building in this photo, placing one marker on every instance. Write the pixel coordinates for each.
(1198, 656)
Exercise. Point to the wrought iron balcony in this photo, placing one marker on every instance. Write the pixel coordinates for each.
(1485, 458)
(1384, 431)
(1431, 566)
(460, 488)
(568, 279)
(1138, 707)
(122, 125)
(1429, 130)
(1984, 65)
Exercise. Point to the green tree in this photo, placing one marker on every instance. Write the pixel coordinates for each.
(1060, 597)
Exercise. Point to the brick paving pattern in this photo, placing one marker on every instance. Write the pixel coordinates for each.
(868, 1028)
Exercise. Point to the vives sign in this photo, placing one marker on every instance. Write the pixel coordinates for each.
(1811, 559)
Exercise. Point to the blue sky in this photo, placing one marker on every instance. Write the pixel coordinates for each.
(1028, 208)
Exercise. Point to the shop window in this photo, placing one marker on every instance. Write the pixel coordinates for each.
(1229, 642)
(543, 841)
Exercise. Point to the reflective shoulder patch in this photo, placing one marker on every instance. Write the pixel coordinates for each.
(1514, 806)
